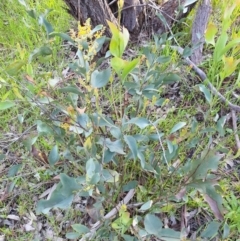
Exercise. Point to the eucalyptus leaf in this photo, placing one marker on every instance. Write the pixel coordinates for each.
(139, 121)
(177, 127)
(132, 144)
(53, 156)
(71, 89)
(80, 229)
(211, 230)
(226, 230)
(146, 206)
(13, 170)
(72, 235)
(6, 104)
(100, 79)
(153, 224)
(206, 92)
(63, 36)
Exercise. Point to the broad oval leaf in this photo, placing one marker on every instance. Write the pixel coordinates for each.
(13, 170)
(132, 144)
(171, 78)
(72, 235)
(100, 79)
(81, 229)
(153, 224)
(53, 155)
(178, 126)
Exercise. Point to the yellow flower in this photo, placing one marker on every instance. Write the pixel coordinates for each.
(84, 30)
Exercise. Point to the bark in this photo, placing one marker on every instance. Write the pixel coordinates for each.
(135, 16)
(198, 29)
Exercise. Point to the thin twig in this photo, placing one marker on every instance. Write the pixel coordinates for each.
(234, 123)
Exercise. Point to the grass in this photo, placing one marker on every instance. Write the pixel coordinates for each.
(34, 177)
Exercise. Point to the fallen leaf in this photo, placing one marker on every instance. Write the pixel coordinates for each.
(81, 111)
(28, 227)
(214, 207)
(13, 217)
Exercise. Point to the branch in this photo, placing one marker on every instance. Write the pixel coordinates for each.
(234, 123)
(203, 77)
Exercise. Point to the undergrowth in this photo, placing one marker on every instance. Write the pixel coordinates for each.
(127, 148)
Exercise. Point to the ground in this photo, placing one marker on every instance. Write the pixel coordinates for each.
(158, 131)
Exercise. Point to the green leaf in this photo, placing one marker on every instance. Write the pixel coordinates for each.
(100, 79)
(32, 13)
(132, 144)
(13, 170)
(110, 176)
(81, 70)
(163, 59)
(80, 229)
(129, 66)
(43, 21)
(90, 167)
(170, 146)
(210, 34)
(168, 234)
(153, 224)
(118, 41)
(146, 205)
(220, 124)
(211, 230)
(130, 185)
(53, 156)
(14, 67)
(206, 92)
(187, 52)
(139, 121)
(220, 47)
(62, 196)
(63, 36)
(71, 89)
(118, 64)
(178, 126)
(72, 235)
(226, 231)
(114, 146)
(42, 51)
(44, 128)
(210, 162)
(6, 104)
(171, 78)
(2, 157)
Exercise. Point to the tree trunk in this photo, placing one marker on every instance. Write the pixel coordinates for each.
(199, 28)
(135, 16)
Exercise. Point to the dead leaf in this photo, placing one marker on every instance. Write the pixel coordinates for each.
(28, 227)
(30, 79)
(214, 207)
(13, 217)
(81, 111)
(39, 156)
(181, 193)
(2, 237)
(48, 192)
